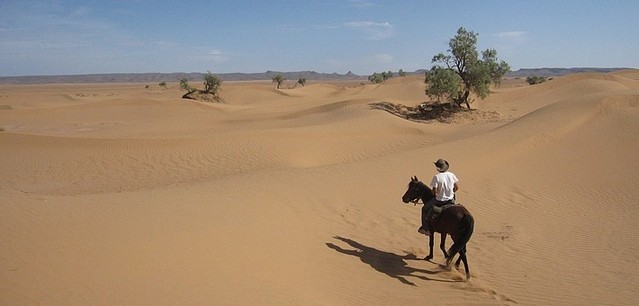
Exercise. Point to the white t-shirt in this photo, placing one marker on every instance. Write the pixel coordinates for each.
(444, 181)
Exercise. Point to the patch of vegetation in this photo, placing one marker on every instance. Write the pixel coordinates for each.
(163, 85)
(211, 92)
(430, 111)
(422, 112)
(279, 79)
(184, 84)
(532, 80)
(301, 81)
(378, 78)
(212, 83)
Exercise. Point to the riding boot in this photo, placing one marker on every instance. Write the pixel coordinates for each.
(426, 211)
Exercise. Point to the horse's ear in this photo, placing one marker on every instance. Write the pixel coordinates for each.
(414, 179)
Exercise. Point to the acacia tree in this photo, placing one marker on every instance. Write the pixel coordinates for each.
(456, 75)
(279, 79)
(377, 77)
(380, 77)
(184, 84)
(212, 84)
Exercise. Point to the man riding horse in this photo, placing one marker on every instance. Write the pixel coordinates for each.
(444, 185)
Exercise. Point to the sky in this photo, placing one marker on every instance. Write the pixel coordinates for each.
(362, 36)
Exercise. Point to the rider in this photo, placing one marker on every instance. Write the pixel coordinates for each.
(444, 185)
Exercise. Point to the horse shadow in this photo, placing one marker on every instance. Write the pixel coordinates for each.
(388, 263)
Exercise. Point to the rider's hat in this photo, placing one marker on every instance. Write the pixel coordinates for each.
(441, 165)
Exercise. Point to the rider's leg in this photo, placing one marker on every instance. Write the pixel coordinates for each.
(426, 210)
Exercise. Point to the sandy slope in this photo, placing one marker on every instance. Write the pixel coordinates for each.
(117, 194)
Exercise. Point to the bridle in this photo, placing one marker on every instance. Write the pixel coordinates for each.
(418, 184)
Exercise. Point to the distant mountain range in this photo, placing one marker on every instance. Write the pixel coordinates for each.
(268, 75)
(550, 72)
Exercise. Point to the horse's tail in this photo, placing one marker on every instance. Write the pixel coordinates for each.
(468, 225)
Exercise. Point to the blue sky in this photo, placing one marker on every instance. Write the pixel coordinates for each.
(363, 36)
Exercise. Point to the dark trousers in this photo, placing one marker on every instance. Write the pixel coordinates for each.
(427, 209)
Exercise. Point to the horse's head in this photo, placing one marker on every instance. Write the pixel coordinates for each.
(416, 189)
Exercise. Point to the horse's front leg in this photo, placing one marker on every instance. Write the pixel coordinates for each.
(442, 245)
(431, 242)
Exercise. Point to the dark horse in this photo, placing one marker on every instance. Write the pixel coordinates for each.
(454, 220)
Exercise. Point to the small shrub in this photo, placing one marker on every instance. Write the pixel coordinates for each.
(212, 84)
(376, 78)
(279, 79)
(532, 80)
(380, 77)
(184, 84)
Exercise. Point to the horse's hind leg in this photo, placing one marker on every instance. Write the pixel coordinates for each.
(454, 250)
(442, 245)
(460, 258)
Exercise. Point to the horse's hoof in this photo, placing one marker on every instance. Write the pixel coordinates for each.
(428, 258)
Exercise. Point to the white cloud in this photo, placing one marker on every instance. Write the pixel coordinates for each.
(373, 30)
(218, 56)
(513, 36)
(360, 3)
(380, 58)
(82, 11)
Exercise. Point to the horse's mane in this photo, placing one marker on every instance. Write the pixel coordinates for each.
(423, 186)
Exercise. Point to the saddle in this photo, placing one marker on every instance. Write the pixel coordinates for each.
(437, 210)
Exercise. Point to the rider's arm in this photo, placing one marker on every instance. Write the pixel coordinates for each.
(455, 187)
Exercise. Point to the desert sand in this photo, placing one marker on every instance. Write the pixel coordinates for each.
(114, 194)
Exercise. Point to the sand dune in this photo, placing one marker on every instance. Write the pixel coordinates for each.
(119, 194)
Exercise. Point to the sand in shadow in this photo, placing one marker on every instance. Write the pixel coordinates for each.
(388, 263)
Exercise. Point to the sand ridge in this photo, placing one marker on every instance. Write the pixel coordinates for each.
(121, 194)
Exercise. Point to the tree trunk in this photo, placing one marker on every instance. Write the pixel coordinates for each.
(465, 99)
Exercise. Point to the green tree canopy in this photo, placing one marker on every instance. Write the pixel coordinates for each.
(212, 84)
(376, 78)
(532, 80)
(184, 84)
(460, 72)
(279, 79)
(380, 77)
